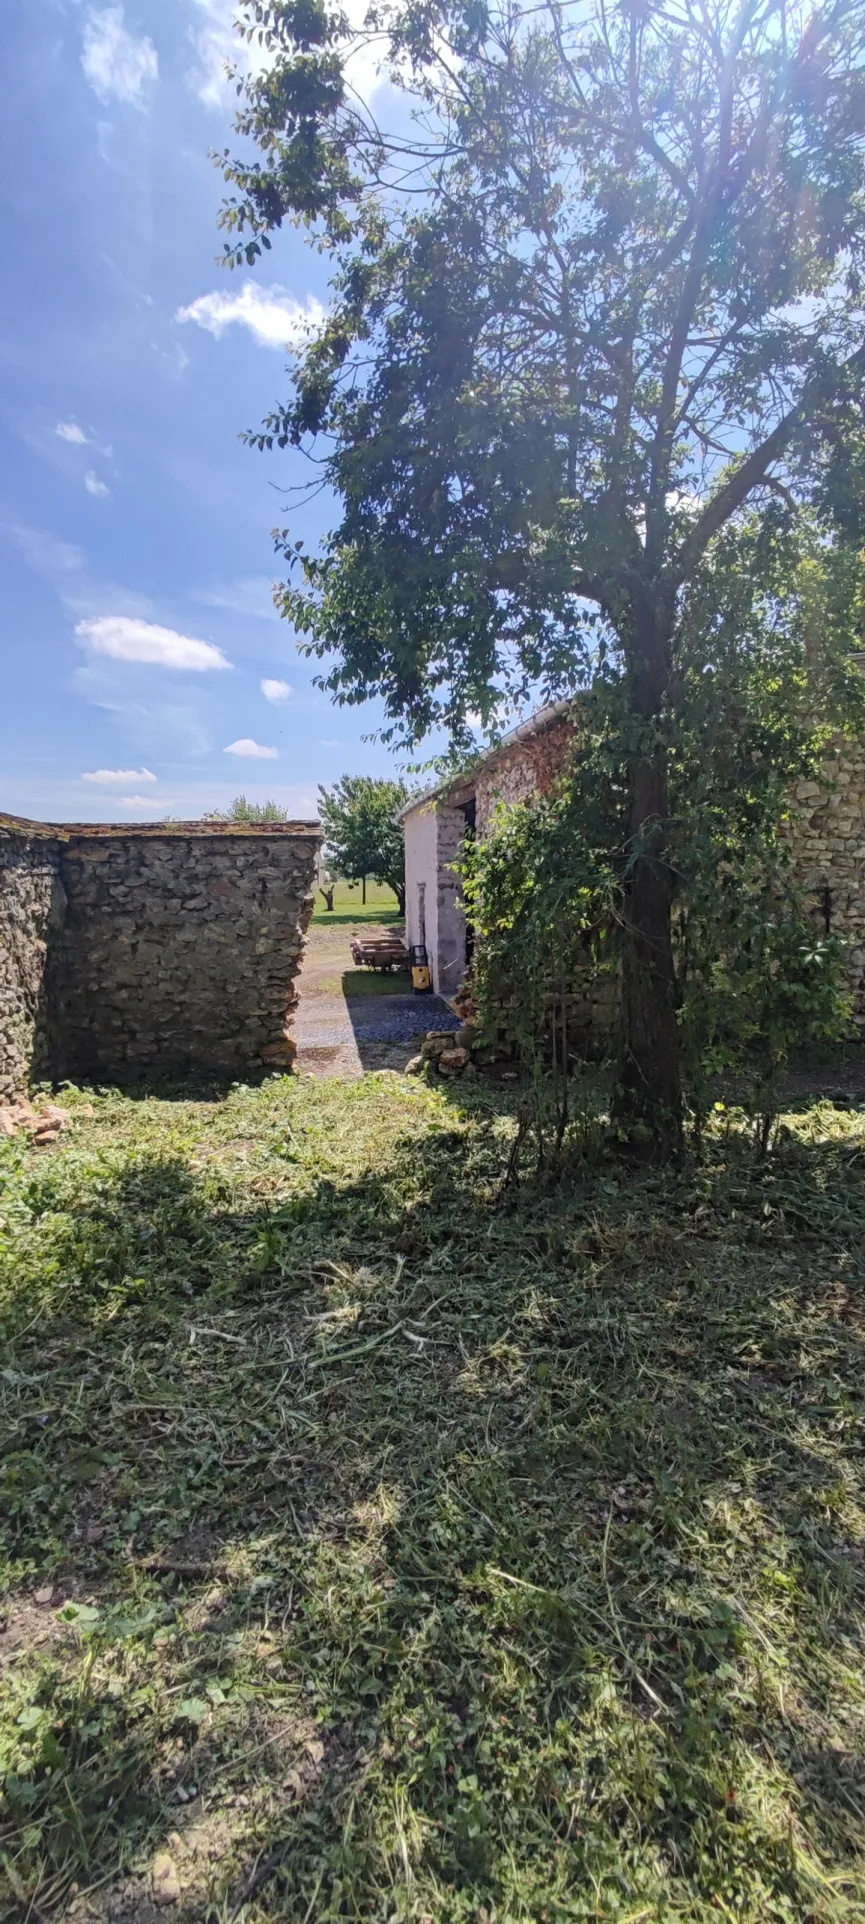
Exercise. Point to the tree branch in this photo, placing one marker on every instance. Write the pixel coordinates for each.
(754, 469)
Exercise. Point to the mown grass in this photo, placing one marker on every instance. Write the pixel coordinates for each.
(358, 983)
(377, 1551)
(381, 905)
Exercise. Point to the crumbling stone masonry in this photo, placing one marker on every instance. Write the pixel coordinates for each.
(155, 948)
(31, 903)
(827, 835)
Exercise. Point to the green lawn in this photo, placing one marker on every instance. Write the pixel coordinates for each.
(363, 982)
(375, 1550)
(381, 905)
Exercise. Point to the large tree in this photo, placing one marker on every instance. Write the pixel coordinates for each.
(363, 831)
(596, 287)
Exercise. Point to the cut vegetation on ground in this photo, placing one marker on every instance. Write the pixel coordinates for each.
(377, 1551)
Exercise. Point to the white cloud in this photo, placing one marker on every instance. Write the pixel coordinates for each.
(44, 554)
(77, 438)
(136, 801)
(329, 744)
(94, 486)
(275, 690)
(253, 751)
(121, 775)
(362, 64)
(128, 639)
(218, 47)
(271, 314)
(117, 65)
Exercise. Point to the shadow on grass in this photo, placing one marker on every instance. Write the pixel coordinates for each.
(437, 1557)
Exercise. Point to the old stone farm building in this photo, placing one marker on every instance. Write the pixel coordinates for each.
(828, 831)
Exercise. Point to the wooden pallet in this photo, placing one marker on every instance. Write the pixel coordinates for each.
(379, 952)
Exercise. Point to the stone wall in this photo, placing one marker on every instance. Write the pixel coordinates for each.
(128, 950)
(31, 904)
(522, 768)
(450, 911)
(827, 833)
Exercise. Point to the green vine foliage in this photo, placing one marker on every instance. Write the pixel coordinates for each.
(764, 677)
(542, 899)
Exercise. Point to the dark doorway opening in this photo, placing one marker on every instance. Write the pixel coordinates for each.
(469, 812)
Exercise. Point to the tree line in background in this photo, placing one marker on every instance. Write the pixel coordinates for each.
(363, 833)
(596, 302)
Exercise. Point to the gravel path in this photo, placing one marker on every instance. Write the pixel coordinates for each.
(384, 1018)
(339, 1036)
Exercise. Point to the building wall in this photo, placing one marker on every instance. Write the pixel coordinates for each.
(127, 951)
(522, 769)
(31, 904)
(827, 833)
(451, 918)
(434, 835)
(421, 872)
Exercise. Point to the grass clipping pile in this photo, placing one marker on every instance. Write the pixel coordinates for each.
(374, 1552)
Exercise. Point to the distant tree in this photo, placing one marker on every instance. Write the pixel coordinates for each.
(596, 294)
(325, 880)
(363, 833)
(243, 811)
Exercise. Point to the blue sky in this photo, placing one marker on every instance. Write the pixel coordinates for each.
(144, 671)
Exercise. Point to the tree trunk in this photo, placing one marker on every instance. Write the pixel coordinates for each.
(647, 1104)
(399, 892)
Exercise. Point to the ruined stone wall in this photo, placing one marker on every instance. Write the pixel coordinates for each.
(124, 951)
(827, 833)
(31, 905)
(179, 952)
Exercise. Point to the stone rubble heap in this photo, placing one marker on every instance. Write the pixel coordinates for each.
(446, 1052)
(41, 1125)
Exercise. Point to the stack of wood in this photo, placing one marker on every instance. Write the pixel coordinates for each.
(379, 952)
